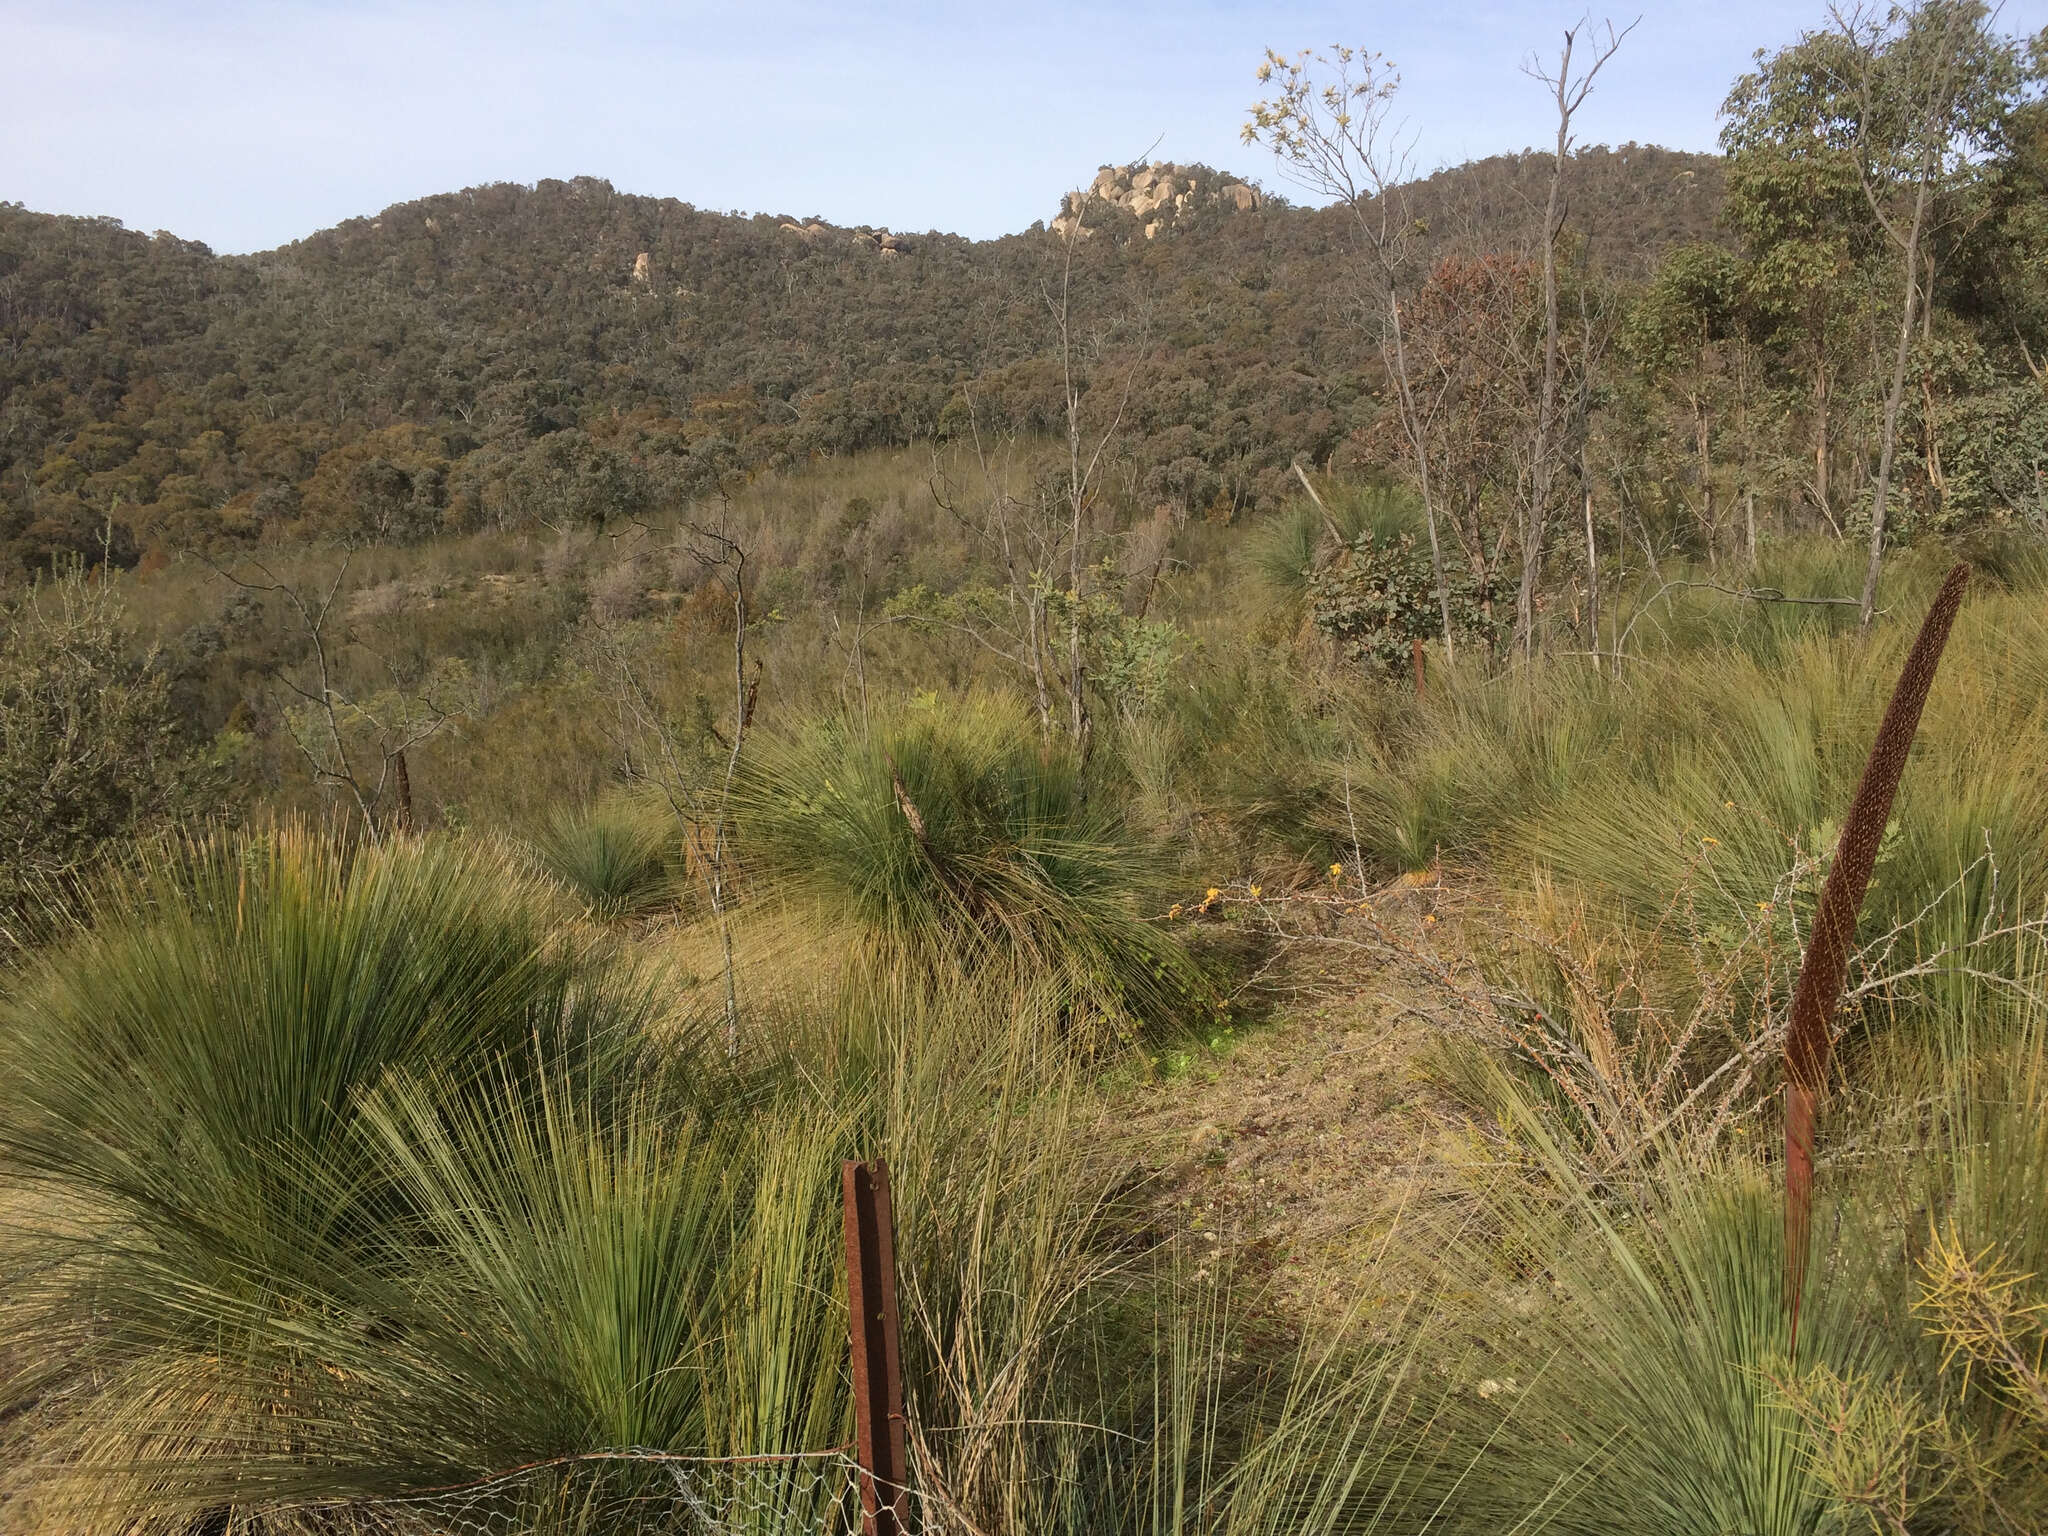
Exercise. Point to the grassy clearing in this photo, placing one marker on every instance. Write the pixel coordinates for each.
(338, 1171)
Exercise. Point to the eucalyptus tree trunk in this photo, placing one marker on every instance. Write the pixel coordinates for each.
(1896, 394)
(1411, 424)
(1537, 522)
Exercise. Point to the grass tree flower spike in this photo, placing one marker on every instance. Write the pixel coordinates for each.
(1825, 967)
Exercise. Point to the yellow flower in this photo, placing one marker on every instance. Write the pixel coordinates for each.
(1727, 805)
(1255, 893)
(1429, 917)
(1211, 894)
(1336, 871)
(1174, 910)
(1763, 906)
(1710, 842)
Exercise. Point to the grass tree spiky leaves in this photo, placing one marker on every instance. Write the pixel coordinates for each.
(954, 843)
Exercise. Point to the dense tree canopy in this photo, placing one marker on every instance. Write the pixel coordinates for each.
(567, 356)
(501, 354)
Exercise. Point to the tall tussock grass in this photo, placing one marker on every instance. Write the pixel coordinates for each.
(183, 1146)
(215, 1025)
(1284, 550)
(954, 844)
(333, 1176)
(616, 856)
(1698, 794)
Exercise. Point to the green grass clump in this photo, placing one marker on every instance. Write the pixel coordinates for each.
(1633, 1346)
(601, 1271)
(1283, 549)
(953, 843)
(183, 1144)
(615, 856)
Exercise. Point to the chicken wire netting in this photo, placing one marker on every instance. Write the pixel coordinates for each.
(613, 1494)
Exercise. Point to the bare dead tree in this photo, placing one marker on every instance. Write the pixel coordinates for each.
(381, 728)
(864, 624)
(726, 559)
(1084, 462)
(1569, 88)
(1596, 333)
(1018, 627)
(1042, 543)
(698, 794)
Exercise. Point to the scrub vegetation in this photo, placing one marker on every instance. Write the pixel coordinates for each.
(1280, 771)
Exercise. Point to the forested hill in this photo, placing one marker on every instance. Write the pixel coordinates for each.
(571, 352)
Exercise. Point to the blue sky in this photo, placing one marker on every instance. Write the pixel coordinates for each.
(246, 125)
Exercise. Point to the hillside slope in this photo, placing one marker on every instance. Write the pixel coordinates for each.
(478, 355)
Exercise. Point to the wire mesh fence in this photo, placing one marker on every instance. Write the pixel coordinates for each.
(614, 1493)
(864, 1486)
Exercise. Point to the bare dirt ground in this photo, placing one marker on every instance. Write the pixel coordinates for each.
(1305, 1137)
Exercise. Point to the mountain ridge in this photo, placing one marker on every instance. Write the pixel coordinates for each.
(426, 361)
(1267, 197)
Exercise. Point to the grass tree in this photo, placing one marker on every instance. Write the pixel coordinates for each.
(955, 847)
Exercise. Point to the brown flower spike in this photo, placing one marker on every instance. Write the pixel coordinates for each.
(1825, 967)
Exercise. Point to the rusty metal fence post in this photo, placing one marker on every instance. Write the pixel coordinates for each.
(872, 1323)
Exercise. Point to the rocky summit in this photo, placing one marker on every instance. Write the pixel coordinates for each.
(1155, 193)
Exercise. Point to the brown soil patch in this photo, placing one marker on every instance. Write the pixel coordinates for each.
(1305, 1139)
